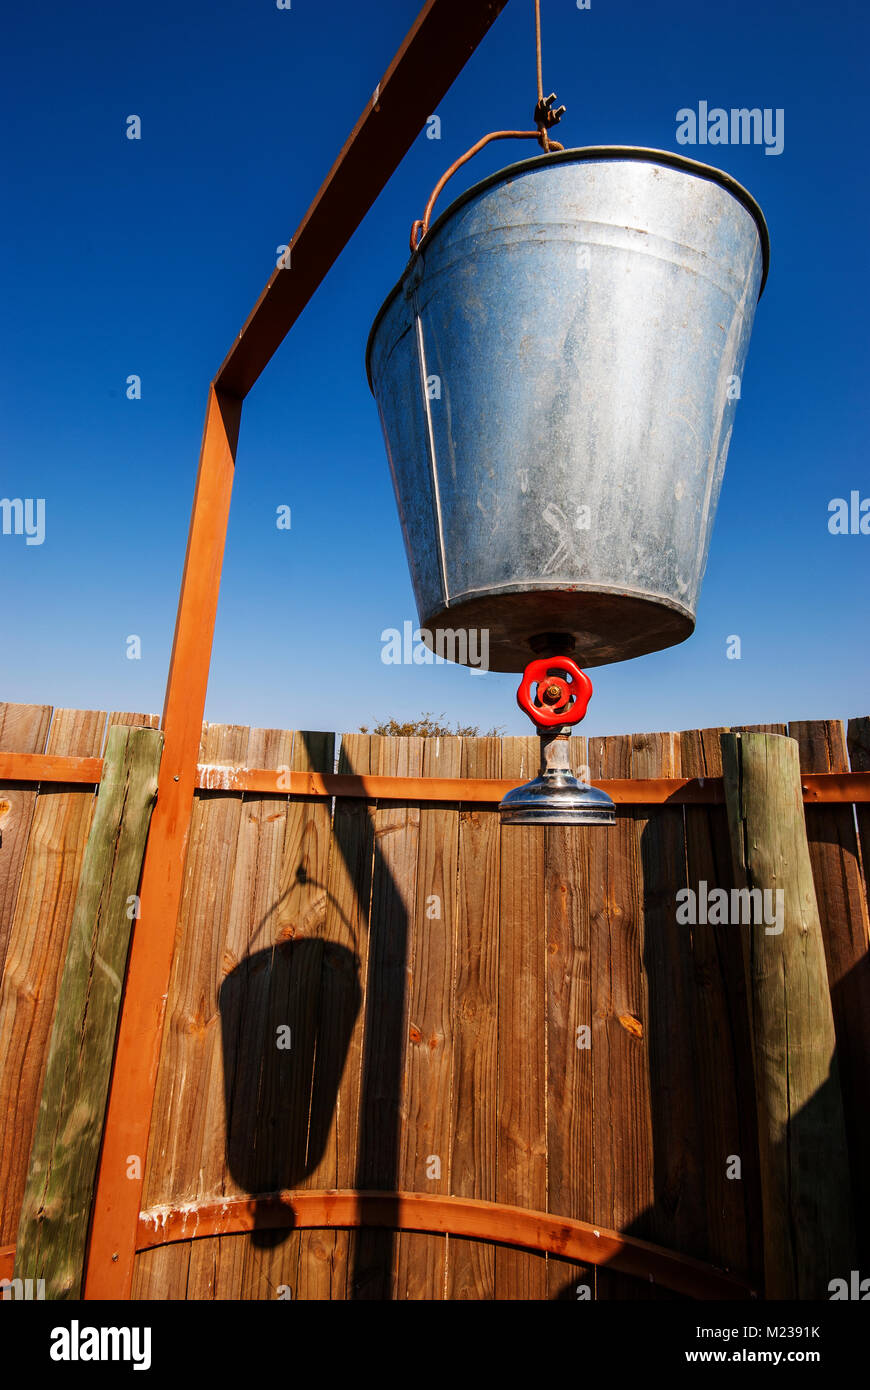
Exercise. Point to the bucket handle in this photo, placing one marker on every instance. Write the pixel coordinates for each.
(421, 227)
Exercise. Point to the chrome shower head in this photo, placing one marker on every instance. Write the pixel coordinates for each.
(555, 796)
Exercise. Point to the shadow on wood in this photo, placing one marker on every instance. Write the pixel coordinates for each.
(279, 1104)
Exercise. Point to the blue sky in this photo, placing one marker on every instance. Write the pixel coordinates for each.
(144, 257)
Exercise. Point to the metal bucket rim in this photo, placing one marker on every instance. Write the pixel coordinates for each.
(584, 154)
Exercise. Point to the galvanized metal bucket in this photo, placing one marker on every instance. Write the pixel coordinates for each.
(557, 373)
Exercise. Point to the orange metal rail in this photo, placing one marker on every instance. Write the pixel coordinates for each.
(539, 1231)
(819, 788)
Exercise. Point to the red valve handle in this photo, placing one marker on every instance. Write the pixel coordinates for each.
(579, 690)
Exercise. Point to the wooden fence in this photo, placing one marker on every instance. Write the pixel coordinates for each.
(407, 999)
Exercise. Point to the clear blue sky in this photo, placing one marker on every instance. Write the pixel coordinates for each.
(144, 257)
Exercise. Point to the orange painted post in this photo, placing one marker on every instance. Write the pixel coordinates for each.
(128, 1119)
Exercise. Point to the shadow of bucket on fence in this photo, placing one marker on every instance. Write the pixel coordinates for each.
(268, 1099)
(287, 1014)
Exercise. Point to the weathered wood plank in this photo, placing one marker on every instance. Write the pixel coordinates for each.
(253, 936)
(521, 1165)
(52, 1231)
(287, 1146)
(425, 1158)
(216, 1270)
(23, 729)
(802, 1140)
(161, 1273)
(191, 1040)
(677, 1218)
(36, 949)
(781, 729)
(624, 1188)
(230, 1128)
(342, 1020)
(569, 1037)
(132, 720)
(840, 896)
(191, 1035)
(471, 1264)
(721, 1044)
(382, 1099)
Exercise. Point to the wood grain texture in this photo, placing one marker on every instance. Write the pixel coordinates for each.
(58, 1197)
(130, 719)
(840, 896)
(161, 1274)
(569, 1038)
(624, 1185)
(802, 1142)
(348, 906)
(288, 1142)
(230, 1130)
(521, 1164)
(184, 1103)
(471, 1264)
(424, 1164)
(385, 1050)
(217, 1268)
(23, 729)
(36, 949)
(721, 1043)
(678, 1216)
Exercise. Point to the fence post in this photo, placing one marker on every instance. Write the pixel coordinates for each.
(53, 1226)
(805, 1185)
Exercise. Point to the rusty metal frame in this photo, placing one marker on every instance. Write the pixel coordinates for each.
(542, 1232)
(439, 43)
